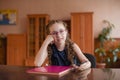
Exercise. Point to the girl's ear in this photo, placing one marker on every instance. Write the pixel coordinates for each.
(68, 35)
(67, 31)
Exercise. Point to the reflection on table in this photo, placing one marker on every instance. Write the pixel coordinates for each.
(19, 73)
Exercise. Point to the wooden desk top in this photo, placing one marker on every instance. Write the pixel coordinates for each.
(19, 73)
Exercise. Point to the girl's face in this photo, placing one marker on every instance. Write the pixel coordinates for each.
(59, 32)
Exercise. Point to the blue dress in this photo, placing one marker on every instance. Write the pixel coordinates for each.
(59, 58)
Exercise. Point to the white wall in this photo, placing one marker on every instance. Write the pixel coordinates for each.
(61, 9)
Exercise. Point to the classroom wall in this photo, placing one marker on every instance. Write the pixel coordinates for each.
(61, 9)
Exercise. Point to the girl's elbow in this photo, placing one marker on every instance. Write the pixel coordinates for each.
(36, 63)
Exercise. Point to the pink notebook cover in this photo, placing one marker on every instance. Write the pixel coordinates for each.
(51, 70)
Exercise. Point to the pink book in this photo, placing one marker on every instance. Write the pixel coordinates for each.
(51, 70)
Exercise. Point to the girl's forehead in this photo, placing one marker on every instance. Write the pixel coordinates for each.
(57, 27)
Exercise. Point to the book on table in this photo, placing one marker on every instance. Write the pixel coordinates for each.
(51, 70)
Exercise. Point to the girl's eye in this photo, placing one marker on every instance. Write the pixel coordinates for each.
(61, 31)
(56, 33)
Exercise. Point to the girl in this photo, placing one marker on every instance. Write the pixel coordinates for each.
(59, 49)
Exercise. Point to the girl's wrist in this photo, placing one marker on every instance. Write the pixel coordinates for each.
(84, 62)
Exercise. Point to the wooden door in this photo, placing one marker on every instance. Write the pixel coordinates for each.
(16, 49)
(36, 34)
(82, 31)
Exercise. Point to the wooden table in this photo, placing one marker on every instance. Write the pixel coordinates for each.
(19, 73)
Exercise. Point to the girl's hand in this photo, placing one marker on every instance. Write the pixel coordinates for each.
(85, 65)
(82, 67)
(49, 39)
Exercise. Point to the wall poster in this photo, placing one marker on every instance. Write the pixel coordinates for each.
(8, 17)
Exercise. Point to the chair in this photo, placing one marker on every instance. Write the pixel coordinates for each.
(90, 57)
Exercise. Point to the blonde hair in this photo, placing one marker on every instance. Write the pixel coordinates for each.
(53, 22)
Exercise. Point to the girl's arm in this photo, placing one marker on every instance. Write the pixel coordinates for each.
(42, 53)
(85, 62)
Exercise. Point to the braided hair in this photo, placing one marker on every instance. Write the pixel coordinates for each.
(68, 43)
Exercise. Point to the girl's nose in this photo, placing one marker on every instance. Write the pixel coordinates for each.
(58, 34)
